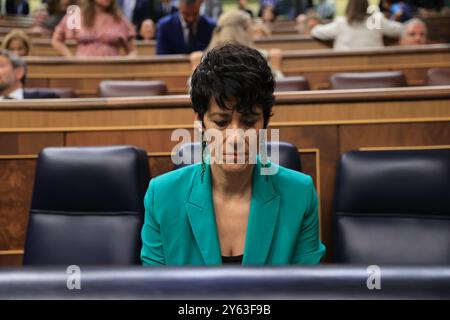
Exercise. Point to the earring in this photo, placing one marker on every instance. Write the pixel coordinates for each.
(203, 158)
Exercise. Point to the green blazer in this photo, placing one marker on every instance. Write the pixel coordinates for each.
(180, 226)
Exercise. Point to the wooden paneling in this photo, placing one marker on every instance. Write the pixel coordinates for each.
(16, 183)
(322, 125)
(316, 65)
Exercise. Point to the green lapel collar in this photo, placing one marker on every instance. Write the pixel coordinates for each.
(200, 210)
(264, 210)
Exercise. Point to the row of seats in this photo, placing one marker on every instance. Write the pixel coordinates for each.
(346, 80)
(391, 207)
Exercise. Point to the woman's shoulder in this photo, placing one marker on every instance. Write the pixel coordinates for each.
(288, 178)
(176, 178)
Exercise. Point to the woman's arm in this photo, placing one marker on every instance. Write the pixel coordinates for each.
(131, 48)
(391, 29)
(152, 252)
(310, 249)
(58, 38)
(327, 31)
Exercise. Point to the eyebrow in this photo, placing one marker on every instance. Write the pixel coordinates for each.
(225, 114)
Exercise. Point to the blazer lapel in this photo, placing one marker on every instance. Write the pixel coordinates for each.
(264, 211)
(200, 211)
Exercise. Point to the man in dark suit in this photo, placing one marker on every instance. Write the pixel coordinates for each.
(17, 7)
(184, 32)
(12, 79)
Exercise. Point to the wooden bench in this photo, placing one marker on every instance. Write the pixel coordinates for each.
(323, 125)
(316, 65)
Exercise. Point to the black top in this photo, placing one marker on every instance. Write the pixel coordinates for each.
(232, 259)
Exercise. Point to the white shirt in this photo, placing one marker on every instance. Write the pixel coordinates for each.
(186, 29)
(16, 94)
(357, 35)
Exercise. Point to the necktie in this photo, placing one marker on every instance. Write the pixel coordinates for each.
(190, 44)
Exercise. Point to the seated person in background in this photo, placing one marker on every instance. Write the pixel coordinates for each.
(147, 31)
(103, 32)
(306, 22)
(260, 29)
(56, 11)
(17, 42)
(236, 26)
(161, 9)
(415, 33)
(355, 30)
(184, 32)
(243, 5)
(211, 8)
(399, 10)
(17, 7)
(12, 79)
(39, 15)
(231, 211)
(268, 14)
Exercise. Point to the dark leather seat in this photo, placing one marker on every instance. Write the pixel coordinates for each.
(393, 207)
(438, 76)
(186, 283)
(87, 206)
(291, 84)
(364, 80)
(49, 93)
(131, 88)
(288, 154)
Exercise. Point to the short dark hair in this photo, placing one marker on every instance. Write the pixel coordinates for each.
(233, 73)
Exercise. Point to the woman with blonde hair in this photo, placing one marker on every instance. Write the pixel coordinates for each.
(359, 28)
(236, 26)
(101, 31)
(17, 42)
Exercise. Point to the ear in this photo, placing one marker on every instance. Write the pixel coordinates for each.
(19, 73)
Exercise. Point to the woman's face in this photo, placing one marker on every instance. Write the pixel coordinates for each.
(235, 134)
(18, 47)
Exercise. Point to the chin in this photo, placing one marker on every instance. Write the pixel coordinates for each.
(233, 167)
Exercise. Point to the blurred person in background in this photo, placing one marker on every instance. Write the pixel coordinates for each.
(103, 31)
(236, 26)
(17, 7)
(243, 5)
(414, 33)
(184, 32)
(355, 31)
(147, 30)
(306, 22)
(17, 42)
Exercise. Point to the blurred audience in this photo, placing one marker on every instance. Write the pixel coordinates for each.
(186, 31)
(17, 42)
(161, 9)
(268, 14)
(17, 7)
(414, 33)
(306, 22)
(147, 30)
(236, 26)
(243, 5)
(103, 31)
(211, 8)
(260, 29)
(56, 10)
(13, 72)
(355, 30)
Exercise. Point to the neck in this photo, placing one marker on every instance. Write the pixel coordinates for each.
(235, 184)
(10, 89)
(100, 9)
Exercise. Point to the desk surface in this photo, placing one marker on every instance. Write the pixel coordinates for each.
(316, 282)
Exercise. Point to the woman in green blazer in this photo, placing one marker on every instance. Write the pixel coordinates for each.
(212, 213)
